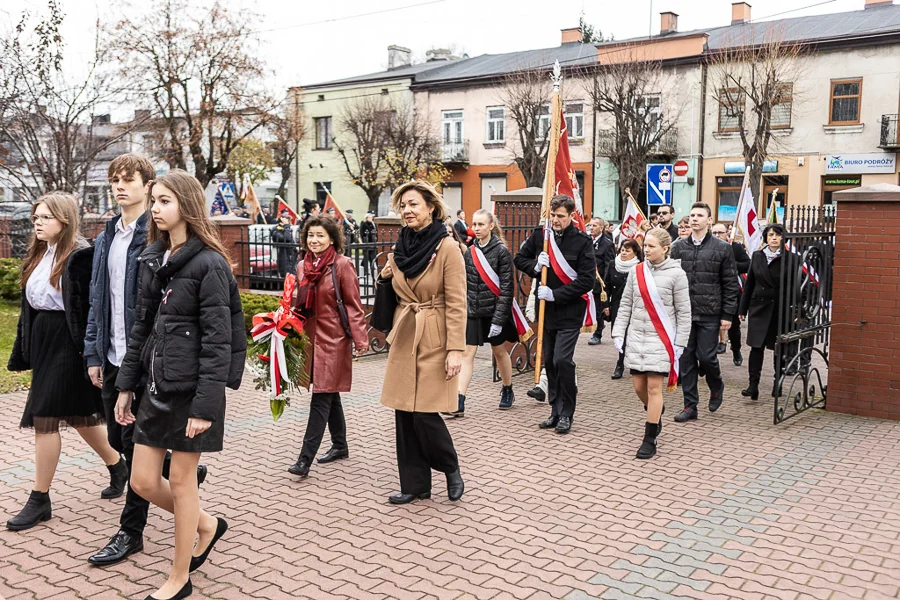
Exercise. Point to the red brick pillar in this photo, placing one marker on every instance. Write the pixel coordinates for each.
(865, 334)
(232, 232)
(388, 230)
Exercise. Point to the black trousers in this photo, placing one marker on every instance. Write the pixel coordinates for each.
(600, 322)
(423, 444)
(734, 335)
(755, 364)
(134, 513)
(324, 409)
(559, 350)
(701, 351)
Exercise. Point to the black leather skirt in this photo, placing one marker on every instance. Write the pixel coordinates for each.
(162, 420)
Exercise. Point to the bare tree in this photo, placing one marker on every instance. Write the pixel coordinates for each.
(634, 124)
(287, 129)
(384, 143)
(526, 96)
(48, 134)
(204, 83)
(752, 85)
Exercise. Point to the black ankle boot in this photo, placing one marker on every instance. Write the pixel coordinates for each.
(37, 509)
(752, 390)
(455, 485)
(118, 477)
(648, 447)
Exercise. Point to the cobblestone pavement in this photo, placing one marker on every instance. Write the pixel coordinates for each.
(731, 507)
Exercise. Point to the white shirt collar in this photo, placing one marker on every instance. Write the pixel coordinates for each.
(51, 250)
(120, 225)
(695, 240)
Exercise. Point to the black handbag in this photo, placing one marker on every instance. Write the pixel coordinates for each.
(342, 310)
(385, 305)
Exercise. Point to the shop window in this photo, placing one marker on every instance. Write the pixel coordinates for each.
(846, 96)
(770, 184)
(836, 183)
(728, 192)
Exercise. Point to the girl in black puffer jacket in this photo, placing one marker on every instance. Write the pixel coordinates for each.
(188, 344)
(489, 268)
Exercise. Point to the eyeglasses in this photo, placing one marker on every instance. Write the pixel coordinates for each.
(42, 218)
(720, 233)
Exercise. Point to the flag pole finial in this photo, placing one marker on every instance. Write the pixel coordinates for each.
(556, 75)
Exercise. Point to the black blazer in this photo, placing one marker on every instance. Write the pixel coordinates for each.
(763, 297)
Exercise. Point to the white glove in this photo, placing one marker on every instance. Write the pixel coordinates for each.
(679, 350)
(619, 343)
(495, 331)
(545, 293)
(543, 260)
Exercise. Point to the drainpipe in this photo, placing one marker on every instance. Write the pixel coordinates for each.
(703, 69)
(594, 153)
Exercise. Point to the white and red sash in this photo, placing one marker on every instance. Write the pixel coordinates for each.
(658, 316)
(492, 280)
(567, 275)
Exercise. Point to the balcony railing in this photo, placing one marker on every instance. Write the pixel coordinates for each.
(890, 133)
(455, 152)
(666, 146)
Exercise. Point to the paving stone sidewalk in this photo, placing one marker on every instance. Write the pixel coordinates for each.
(731, 507)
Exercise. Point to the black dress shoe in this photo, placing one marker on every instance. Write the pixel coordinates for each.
(537, 393)
(333, 454)
(120, 546)
(549, 423)
(738, 358)
(715, 401)
(299, 468)
(564, 425)
(201, 474)
(118, 478)
(184, 592)
(687, 414)
(618, 373)
(455, 485)
(36, 510)
(221, 528)
(721, 348)
(594, 341)
(402, 498)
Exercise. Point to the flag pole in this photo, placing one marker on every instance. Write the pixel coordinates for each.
(549, 189)
(636, 205)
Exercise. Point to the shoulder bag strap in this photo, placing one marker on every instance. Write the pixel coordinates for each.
(342, 310)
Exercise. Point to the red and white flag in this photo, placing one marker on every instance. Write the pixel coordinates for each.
(331, 204)
(492, 280)
(567, 275)
(659, 317)
(283, 206)
(632, 222)
(747, 220)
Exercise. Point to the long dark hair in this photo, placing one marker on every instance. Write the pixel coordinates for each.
(192, 208)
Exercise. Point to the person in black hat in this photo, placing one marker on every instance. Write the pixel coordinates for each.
(283, 236)
(310, 207)
(351, 228)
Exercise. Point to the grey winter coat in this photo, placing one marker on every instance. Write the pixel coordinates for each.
(644, 350)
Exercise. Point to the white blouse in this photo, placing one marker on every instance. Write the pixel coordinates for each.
(40, 294)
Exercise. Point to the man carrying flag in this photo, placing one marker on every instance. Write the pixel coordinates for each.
(570, 281)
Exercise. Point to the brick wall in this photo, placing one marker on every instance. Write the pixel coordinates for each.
(863, 374)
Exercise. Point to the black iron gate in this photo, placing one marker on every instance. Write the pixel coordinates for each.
(804, 315)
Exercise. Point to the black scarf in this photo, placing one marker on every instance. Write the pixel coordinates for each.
(415, 249)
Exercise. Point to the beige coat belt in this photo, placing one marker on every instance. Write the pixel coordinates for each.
(418, 309)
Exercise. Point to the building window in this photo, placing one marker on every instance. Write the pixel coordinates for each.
(781, 108)
(323, 188)
(542, 122)
(731, 109)
(324, 136)
(574, 112)
(495, 125)
(452, 127)
(728, 191)
(846, 95)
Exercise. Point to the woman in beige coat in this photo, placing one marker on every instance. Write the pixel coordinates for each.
(427, 341)
(646, 354)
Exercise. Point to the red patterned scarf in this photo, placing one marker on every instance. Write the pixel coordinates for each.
(313, 268)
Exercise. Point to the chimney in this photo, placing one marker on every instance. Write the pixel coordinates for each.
(878, 3)
(398, 56)
(572, 35)
(668, 23)
(436, 54)
(740, 13)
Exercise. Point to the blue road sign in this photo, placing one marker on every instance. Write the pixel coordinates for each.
(659, 185)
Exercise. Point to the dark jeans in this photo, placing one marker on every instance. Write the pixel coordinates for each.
(423, 444)
(559, 348)
(324, 409)
(134, 513)
(701, 350)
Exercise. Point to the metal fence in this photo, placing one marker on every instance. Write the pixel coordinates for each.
(804, 315)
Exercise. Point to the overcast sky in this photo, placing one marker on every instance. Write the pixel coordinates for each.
(311, 41)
